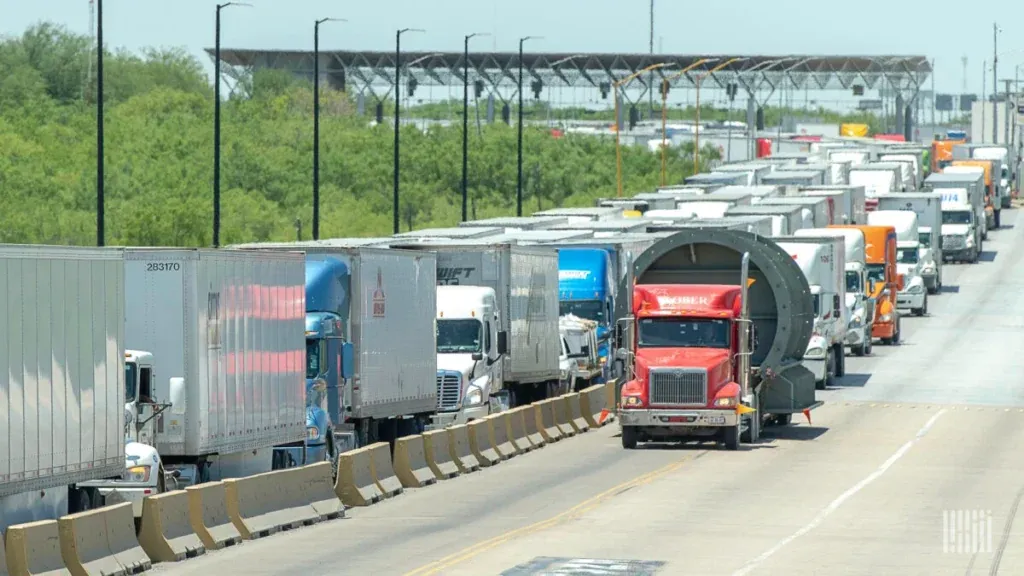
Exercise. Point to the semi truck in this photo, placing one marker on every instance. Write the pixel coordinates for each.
(525, 284)
(884, 281)
(860, 306)
(909, 168)
(578, 364)
(821, 210)
(470, 344)
(784, 177)
(62, 372)
(713, 333)
(1006, 162)
(963, 220)
(786, 218)
(849, 201)
(877, 178)
(822, 261)
(993, 191)
(913, 294)
(585, 289)
(928, 207)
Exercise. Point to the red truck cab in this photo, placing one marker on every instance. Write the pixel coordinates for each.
(687, 369)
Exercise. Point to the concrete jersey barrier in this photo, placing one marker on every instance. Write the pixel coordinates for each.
(356, 485)
(520, 445)
(546, 423)
(592, 402)
(516, 419)
(461, 453)
(102, 541)
(562, 416)
(166, 533)
(32, 548)
(574, 412)
(481, 444)
(498, 431)
(264, 504)
(411, 462)
(383, 472)
(317, 485)
(439, 457)
(611, 400)
(208, 515)
(531, 419)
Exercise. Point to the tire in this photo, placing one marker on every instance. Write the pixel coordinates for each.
(840, 360)
(731, 437)
(629, 437)
(869, 345)
(830, 370)
(899, 329)
(79, 501)
(859, 350)
(997, 218)
(783, 419)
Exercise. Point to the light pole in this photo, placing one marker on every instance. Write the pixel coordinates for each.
(465, 122)
(995, 84)
(100, 229)
(216, 125)
(618, 150)
(398, 103)
(519, 133)
(316, 123)
(664, 114)
(696, 131)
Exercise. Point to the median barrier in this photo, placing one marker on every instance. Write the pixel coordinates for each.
(208, 515)
(439, 457)
(515, 430)
(611, 400)
(461, 453)
(480, 442)
(102, 541)
(166, 533)
(411, 462)
(264, 504)
(498, 431)
(574, 414)
(355, 485)
(592, 403)
(545, 414)
(562, 416)
(531, 420)
(383, 472)
(32, 548)
(317, 486)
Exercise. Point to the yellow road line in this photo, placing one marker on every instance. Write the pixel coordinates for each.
(580, 509)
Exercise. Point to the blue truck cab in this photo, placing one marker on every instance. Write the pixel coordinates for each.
(585, 289)
(329, 359)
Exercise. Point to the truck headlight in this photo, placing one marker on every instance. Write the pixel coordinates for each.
(727, 402)
(603, 360)
(915, 289)
(563, 374)
(137, 474)
(474, 396)
(856, 319)
(312, 433)
(815, 352)
(632, 402)
(969, 240)
(885, 317)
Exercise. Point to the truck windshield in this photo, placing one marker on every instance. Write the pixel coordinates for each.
(460, 336)
(925, 238)
(853, 282)
(589, 309)
(907, 256)
(956, 217)
(312, 358)
(683, 333)
(876, 272)
(131, 370)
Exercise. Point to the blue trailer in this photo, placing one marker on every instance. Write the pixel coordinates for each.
(586, 280)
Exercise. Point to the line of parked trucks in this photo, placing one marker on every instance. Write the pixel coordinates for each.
(717, 306)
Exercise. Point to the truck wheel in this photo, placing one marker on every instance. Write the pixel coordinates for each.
(840, 360)
(629, 437)
(899, 328)
(858, 350)
(731, 437)
(997, 218)
(869, 344)
(830, 371)
(79, 500)
(783, 419)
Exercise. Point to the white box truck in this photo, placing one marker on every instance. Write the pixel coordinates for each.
(786, 218)
(928, 207)
(62, 390)
(877, 178)
(962, 234)
(914, 295)
(820, 209)
(850, 206)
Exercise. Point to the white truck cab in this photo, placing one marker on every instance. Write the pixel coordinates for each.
(468, 362)
(959, 229)
(579, 364)
(914, 295)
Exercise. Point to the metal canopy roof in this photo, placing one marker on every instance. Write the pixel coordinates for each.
(369, 69)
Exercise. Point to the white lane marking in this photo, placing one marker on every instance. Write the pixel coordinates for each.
(835, 504)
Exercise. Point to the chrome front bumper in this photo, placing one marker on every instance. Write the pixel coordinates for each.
(816, 366)
(905, 300)
(857, 336)
(930, 280)
(443, 419)
(700, 418)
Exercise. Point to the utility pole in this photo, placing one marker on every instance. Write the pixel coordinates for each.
(995, 83)
(933, 94)
(650, 77)
(100, 223)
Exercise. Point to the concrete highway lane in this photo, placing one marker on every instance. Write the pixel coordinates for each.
(913, 435)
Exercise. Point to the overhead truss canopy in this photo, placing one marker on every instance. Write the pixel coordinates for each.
(497, 70)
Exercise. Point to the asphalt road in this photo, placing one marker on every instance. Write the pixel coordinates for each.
(871, 486)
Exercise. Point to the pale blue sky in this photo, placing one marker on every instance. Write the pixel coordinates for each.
(682, 26)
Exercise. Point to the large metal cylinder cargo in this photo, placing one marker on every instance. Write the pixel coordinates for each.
(226, 330)
(781, 306)
(61, 375)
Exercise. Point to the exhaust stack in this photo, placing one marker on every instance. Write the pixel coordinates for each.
(744, 351)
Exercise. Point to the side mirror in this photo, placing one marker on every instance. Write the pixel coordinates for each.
(900, 281)
(502, 342)
(347, 360)
(477, 356)
(584, 351)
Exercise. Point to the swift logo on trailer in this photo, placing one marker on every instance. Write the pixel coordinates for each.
(573, 274)
(453, 276)
(379, 300)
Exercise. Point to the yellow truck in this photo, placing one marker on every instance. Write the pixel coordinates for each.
(991, 193)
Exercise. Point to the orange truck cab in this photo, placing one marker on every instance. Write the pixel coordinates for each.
(942, 153)
(884, 282)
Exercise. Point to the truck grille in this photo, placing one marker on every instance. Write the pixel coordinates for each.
(449, 390)
(678, 387)
(952, 242)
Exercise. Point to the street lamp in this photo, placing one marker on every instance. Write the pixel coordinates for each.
(664, 114)
(618, 150)
(995, 83)
(316, 123)
(100, 231)
(465, 122)
(216, 125)
(398, 103)
(519, 135)
(696, 132)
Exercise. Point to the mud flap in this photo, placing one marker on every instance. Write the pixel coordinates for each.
(791, 391)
